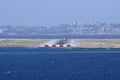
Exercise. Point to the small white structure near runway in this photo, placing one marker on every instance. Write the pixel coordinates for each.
(60, 43)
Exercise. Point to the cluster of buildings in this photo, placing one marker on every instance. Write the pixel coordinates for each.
(75, 28)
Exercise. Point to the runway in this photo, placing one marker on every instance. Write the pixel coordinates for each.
(60, 43)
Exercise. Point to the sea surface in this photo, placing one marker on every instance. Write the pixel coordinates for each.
(62, 36)
(59, 64)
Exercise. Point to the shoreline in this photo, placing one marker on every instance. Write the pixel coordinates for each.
(77, 43)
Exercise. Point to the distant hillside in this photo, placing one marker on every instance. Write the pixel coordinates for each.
(91, 28)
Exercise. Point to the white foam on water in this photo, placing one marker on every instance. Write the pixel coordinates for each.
(7, 72)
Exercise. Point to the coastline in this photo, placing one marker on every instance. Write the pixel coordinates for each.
(76, 43)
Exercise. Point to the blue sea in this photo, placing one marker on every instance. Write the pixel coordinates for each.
(109, 36)
(59, 64)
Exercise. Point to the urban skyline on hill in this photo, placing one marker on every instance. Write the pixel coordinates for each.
(91, 28)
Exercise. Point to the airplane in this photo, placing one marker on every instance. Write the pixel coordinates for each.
(62, 41)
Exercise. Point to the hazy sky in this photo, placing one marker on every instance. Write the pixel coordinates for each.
(53, 12)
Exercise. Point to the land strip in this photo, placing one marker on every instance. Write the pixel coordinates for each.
(75, 43)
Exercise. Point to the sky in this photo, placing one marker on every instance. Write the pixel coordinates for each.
(54, 12)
